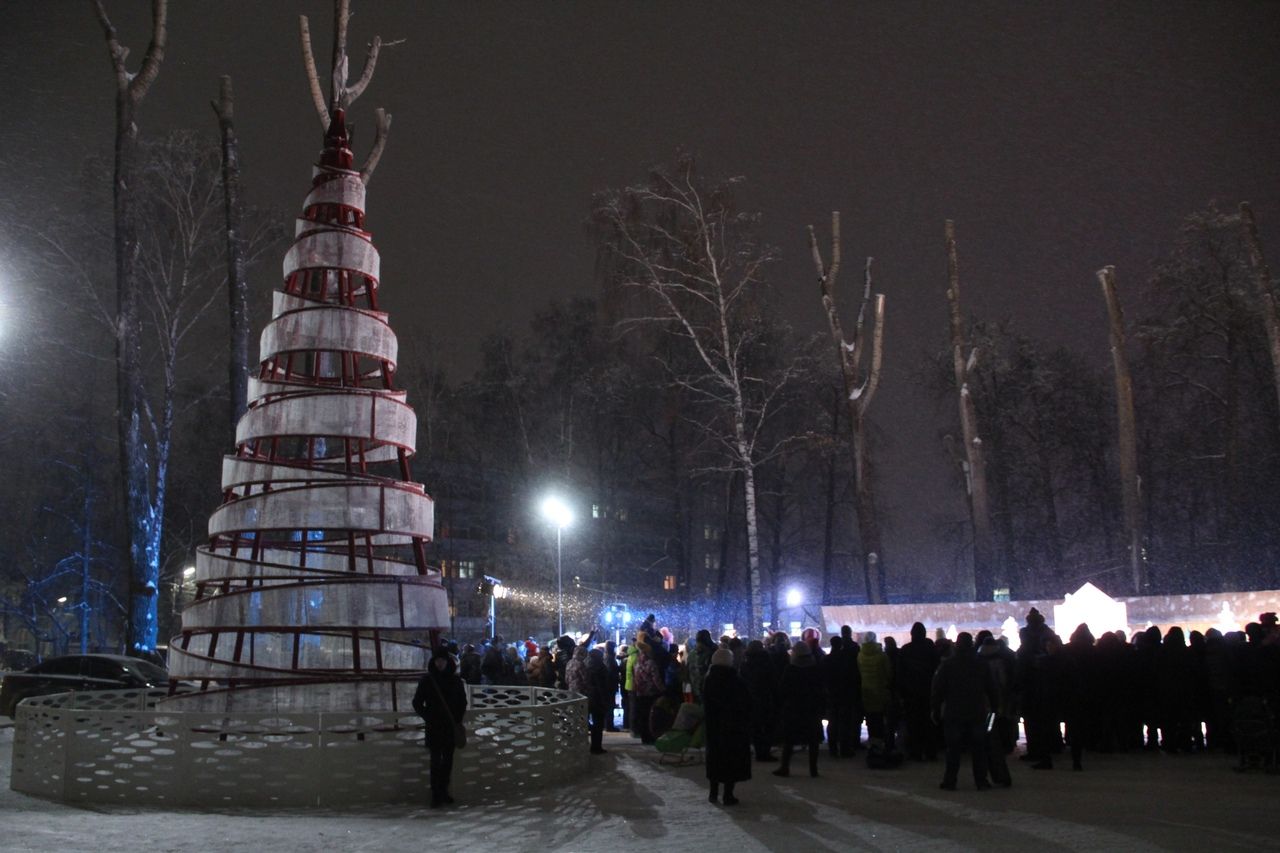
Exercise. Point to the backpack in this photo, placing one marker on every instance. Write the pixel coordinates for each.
(648, 681)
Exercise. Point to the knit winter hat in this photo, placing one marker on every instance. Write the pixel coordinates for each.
(722, 657)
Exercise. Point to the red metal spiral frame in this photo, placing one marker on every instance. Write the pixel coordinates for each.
(315, 574)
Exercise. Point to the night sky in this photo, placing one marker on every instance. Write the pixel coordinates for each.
(1059, 136)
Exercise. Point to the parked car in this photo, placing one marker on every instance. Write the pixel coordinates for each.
(78, 672)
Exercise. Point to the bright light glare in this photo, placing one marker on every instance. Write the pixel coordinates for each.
(555, 511)
(62, 600)
(189, 571)
(794, 597)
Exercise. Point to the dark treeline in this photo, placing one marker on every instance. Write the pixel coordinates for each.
(702, 440)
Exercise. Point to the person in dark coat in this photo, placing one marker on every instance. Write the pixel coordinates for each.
(1002, 734)
(727, 716)
(615, 681)
(1035, 691)
(469, 665)
(1079, 693)
(441, 701)
(914, 670)
(844, 692)
(963, 695)
(802, 702)
(758, 673)
(1175, 683)
(599, 698)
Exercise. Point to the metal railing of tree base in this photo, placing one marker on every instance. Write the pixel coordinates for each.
(125, 747)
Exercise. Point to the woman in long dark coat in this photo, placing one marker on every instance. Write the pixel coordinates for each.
(727, 716)
(803, 697)
(441, 701)
(758, 672)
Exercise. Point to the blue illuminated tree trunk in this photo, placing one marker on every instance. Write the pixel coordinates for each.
(142, 526)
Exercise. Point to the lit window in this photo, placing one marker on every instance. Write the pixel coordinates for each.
(710, 561)
(622, 514)
(708, 532)
(466, 568)
(669, 582)
(595, 510)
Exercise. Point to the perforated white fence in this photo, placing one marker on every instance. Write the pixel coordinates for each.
(119, 747)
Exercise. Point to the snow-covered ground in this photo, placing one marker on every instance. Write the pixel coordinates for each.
(629, 802)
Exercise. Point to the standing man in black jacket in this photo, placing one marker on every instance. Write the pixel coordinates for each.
(962, 696)
(441, 701)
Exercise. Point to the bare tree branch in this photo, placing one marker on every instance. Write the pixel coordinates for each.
(382, 128)
(313, 77)
(351, 93)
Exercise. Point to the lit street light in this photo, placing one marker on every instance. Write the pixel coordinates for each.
(555, 511)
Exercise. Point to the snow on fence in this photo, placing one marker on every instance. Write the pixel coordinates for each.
(120, 747)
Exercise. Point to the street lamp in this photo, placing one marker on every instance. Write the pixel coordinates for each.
(555, 511)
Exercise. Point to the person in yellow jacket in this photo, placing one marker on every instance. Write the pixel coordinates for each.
(877, 674)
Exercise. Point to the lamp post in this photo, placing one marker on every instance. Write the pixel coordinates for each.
(555, 511)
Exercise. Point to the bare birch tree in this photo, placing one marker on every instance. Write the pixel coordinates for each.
(964, 360)
(690, 258)
(143, 545)
(1127, 433)
(859, 387)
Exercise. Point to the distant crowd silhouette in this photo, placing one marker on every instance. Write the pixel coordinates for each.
(930, 697)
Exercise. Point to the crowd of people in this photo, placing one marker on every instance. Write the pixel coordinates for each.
(762, 699)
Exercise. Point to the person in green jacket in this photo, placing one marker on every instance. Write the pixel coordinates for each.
(628, 688)
(873, 665)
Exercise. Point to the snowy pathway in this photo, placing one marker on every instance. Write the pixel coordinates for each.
(629, 803)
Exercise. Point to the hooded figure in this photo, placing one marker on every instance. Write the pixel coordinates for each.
(803, 697)
(917, 662)
(597, 688)
(727, 705)
(441, 701)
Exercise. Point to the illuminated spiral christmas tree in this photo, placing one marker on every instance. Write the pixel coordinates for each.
(313, 590)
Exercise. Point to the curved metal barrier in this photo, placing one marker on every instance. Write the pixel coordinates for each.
(120, 746)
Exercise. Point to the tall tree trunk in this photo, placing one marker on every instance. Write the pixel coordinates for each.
(858, 394)
(829, 524)
(143, 547)
(982, 578)
(868, 518)
(237, 281)
(1127, 441)
(726, 537)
